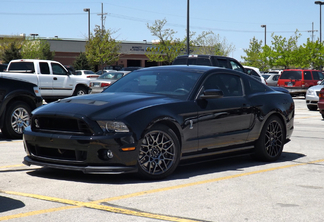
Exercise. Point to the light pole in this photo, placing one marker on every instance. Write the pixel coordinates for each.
(265, 34)
(34, 35)
(188, 47)
(88, 10)
(320, 4)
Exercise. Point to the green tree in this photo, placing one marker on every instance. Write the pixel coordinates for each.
(36, 49)
(81, 62)
(311, 55)
(167, 47)
(102, 49)
(254, 55)
(8, 46)
(12, 52)
(283, 51)
(208, 43)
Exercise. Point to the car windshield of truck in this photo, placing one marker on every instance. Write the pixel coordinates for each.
(297, 75)
(22, 66)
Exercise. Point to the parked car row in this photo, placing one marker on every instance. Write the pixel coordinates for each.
(105, 80)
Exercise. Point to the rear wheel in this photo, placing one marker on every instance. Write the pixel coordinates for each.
(271, 141)
(17, 118)
(159, 153)
(80, 90)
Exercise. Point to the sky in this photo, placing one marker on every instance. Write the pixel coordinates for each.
(236, 21)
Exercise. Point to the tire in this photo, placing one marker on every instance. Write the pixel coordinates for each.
(159, 153)
(312, 108)
(17, 118)
(322, 116)
(80, 90)
(271, 141)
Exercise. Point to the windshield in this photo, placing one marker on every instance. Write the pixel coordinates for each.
(165, 82)
(265, 76)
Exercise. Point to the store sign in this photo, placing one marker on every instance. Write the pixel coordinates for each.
(137, 49)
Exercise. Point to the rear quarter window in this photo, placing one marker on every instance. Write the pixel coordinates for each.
(255, 86)
(318, 75)
(22, 66)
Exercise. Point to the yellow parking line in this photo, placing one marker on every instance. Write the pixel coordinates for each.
(14, 141)
(96, 204)
(12, 166)
(88, 205)
(32, 213)
(201, 182)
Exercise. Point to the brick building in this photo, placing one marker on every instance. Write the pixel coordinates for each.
(132, 53)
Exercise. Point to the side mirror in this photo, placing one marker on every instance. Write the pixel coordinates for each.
(319, 82)
(212, 94)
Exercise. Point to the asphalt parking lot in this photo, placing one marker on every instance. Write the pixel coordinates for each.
(236, 189)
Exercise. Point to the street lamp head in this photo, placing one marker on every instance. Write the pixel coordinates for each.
(319, 3)
(86, 9)
(263, 26)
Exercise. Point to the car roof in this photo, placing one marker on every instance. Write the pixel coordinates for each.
(202, 56)
(191, 68)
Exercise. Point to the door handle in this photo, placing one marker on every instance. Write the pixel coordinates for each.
(54, 78)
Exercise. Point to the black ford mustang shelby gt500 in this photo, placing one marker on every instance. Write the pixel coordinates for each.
(153, 118)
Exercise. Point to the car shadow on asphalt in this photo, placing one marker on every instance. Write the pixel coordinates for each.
(239, 164)
(7, 204)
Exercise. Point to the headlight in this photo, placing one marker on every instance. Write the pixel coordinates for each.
(310, 92)
(113, 126)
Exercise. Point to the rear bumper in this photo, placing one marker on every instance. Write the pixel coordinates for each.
(296, 90)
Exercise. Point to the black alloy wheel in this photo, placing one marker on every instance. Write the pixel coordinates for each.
(159, 153)
(271, 141)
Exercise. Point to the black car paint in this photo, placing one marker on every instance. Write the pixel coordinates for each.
(189, 119)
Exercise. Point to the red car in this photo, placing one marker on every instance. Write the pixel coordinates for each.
(297, 81)
(320, 103)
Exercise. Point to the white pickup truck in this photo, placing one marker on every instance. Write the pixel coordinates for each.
(51, 77)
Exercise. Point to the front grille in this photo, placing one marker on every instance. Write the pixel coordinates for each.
(60, 124)
(59, 154)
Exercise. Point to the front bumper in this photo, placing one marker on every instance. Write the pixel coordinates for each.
(85, 169)
(88, 154)
(321, 107)
(311, 100)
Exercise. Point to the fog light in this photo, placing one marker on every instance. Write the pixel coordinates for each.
(109, 154)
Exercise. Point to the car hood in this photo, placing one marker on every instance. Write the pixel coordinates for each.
(316, 88)
(280, 89)
(104, 105)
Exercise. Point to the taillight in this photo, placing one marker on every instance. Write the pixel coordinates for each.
(303, 83)
(92, 76)
(321, 93)
(105, 84)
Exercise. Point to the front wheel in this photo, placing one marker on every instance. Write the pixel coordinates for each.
(271, 141)
(17, 118)
(312, 108)
(159, 153)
